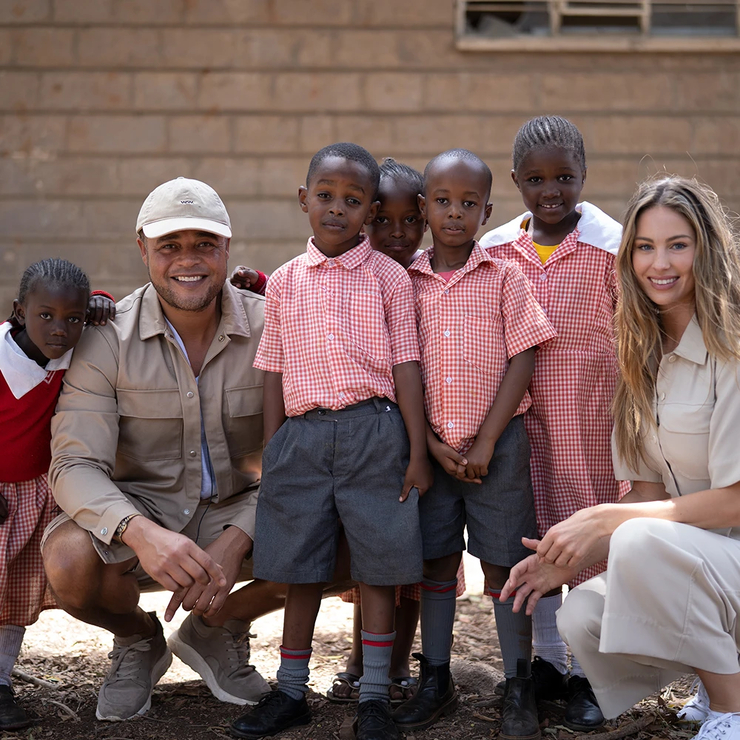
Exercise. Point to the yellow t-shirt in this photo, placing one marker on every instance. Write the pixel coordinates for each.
(544, 252)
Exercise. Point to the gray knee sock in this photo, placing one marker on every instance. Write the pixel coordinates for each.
(11, 639)
(376, 664)
(514, 633)
(292, 675)
(437, 619)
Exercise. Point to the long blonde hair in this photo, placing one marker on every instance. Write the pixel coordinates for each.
(716, 271)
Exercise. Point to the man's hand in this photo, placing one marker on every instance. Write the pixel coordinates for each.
(100, 310)
(172, 559)
(418, 475)
(532, 578)
(478, 457)
(3, 509)
(229, 551)
(243, 277)
(452, 462)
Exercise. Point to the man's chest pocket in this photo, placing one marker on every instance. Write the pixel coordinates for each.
(150, 424)
(244, 420)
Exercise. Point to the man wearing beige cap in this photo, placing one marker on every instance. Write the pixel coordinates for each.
(157, 445)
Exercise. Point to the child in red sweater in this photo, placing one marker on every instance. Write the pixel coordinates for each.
(35, 349)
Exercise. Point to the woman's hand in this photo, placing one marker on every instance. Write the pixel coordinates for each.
(573, 541)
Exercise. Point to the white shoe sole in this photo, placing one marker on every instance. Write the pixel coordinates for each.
(195, 660)
(160, 668)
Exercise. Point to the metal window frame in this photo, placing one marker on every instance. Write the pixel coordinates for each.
(559, 42)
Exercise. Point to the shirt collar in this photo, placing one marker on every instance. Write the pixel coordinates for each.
(692, 347)
(21, 373)
(423, 263)
(233, 315)
(350, 259)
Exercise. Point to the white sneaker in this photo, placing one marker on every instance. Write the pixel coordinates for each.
(720, 727)
(696, 709)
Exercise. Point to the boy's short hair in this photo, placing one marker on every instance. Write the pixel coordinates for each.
(390, 169)
(462, 154)
(548, 131)
(351, 152)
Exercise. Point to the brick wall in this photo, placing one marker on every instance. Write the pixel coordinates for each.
(102, 100)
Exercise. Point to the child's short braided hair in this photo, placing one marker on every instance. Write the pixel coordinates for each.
(545, 131)
(392, 170)
(351, 152)
(53, 271)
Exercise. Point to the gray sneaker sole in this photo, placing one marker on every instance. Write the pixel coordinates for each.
(195, 660)
(160, 668)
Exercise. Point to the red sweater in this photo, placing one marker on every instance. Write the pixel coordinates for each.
(25, 431)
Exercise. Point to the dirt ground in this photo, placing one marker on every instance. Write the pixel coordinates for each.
(73, 656)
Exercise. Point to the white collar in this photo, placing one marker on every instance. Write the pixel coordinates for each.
(21, 373)
(595, 228)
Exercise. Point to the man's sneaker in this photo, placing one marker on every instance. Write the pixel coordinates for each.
(138, 663)
(12, 714)
(275, 712)
(696, 709)
(374, 721)
(221, 656)
(720, 727)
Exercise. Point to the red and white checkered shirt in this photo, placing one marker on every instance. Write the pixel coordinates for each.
(336, 326)
(469, 328)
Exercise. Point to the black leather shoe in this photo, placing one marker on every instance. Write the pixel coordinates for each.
(436, 697)
(275, 712)
(519, 720)
(12, 714)
(583, 712)
(374, 721)
(549, 683)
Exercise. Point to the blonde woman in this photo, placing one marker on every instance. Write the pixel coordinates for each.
(669, 601)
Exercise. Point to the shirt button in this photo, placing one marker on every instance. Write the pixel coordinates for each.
(450, 425)
(330, 263)
(104, 531)
(672, 358)
(340, 394)
(447, 290)
(221, 337)
(448, 380)
(330, 337)
(190, 394)
(186, 511)
(446, 332)
(662, 396)
(192, 453)
(543, 276)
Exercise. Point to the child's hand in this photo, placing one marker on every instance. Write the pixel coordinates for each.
(243, 277)
(3, 509)
(100, 310)
(453, 462)
(418, 475)
(479, 457)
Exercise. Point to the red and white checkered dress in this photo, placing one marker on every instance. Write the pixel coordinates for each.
(569, 422)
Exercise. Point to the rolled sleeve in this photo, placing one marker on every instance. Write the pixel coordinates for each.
(724, 461)
(525, 322)
(85, 438)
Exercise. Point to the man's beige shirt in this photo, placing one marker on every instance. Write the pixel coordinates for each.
(693, 445)
(127, 431)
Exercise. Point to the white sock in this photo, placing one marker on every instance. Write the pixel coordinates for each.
(11, 639)
(546, 640)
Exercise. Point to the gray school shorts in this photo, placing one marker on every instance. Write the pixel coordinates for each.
(330, 465)
(498, 512)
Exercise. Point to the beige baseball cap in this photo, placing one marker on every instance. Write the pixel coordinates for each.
(180, 205)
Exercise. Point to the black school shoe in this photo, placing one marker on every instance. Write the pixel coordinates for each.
(549, 683)
(275, 712)
(374, 721)
(436, 697)
(12, 714)
(583, 712)
(519, 720)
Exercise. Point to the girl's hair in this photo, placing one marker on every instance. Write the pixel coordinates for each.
(53, 271)
(397, 171)
(548, 131)
(716, 271)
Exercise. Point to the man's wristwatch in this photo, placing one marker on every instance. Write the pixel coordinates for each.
(121, 528)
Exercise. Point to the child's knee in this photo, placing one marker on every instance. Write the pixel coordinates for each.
(496, 575)
(442, 569)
